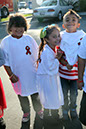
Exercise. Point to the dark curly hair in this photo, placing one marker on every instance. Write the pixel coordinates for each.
(16, 20)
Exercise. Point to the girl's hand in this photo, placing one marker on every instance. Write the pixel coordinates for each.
(59, 54)
(13, 78)
(69, 67)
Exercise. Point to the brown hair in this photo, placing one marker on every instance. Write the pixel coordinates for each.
(17, 20)
(48, 30)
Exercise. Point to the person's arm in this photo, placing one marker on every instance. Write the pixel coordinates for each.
(81, 68)
(11, 75)
(63, 61)
(59, 56)
(2, 58)
(59, 53)
(0, 111)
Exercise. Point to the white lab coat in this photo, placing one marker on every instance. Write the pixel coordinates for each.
(48, 80)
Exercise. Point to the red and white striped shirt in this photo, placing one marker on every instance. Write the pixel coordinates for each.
(68, 74)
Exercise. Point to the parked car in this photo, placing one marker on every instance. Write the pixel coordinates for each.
(51, 9)
(22, 5)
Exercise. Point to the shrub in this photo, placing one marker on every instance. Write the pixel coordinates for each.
(82, 5)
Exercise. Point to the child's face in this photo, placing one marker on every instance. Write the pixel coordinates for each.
(54, 39)
(17, 31)
(70, 23)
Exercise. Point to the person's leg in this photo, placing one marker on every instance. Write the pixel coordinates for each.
(73, 98)
(25, 105)
(75, 123)
(65, 88)
(82, 113)
(2, 124)
(38, 121)
(36, 102)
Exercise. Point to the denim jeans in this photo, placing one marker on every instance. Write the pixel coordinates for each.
(70, 92)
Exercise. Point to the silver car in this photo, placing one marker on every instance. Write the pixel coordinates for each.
(51, 9)
(22, 5)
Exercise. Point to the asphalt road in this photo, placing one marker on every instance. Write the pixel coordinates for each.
(13, 113)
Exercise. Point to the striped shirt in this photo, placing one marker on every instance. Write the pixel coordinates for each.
(68, 74)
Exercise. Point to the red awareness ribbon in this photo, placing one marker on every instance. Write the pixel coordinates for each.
(28, 50)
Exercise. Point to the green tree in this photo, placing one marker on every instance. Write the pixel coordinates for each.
(82, 5)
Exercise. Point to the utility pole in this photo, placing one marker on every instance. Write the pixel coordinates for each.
(15, 5)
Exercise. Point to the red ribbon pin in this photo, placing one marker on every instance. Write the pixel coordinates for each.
(28, 50)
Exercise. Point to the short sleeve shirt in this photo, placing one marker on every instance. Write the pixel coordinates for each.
(82, 54)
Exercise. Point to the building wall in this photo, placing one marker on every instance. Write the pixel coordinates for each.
(15, 5)
(34, 4)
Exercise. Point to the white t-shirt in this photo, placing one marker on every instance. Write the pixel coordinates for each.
(82, 54)
(21, 55)
(70, 44)
(48, 80)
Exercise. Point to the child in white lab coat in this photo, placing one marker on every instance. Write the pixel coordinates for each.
(48, 81)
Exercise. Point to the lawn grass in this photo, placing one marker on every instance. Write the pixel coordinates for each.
(7, 18)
